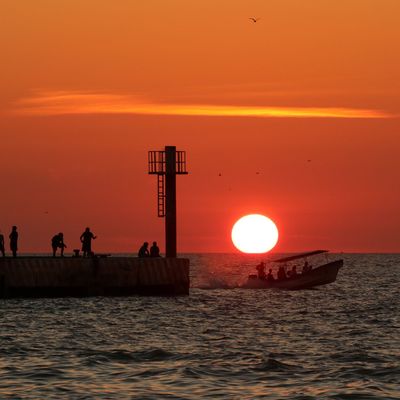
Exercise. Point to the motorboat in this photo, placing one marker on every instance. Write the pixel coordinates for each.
(309, 278)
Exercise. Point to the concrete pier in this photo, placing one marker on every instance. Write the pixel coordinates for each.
(97, 276)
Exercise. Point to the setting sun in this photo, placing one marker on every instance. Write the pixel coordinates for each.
(255, 234)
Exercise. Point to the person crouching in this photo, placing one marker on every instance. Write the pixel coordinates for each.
(57, 242)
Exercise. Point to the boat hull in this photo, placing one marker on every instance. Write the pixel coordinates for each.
(321, 275)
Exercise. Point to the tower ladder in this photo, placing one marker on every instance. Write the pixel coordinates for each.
(161, 194)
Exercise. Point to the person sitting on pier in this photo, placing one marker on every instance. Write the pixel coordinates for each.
(144, 250)
(86, 239)
(154, 250)
(270, 276)
(14, 241)
(58, 242)
(2, 251)
(261, 270)
(281, 273)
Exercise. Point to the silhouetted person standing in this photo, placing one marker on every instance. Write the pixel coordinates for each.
(58, 242)
(2, 251)
(14, 241)
(261, 270)
(144, 250)
(154, 250)
(86, 239)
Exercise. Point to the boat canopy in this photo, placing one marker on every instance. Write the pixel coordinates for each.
(302, 255)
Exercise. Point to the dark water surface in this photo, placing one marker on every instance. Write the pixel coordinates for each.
(338, 342)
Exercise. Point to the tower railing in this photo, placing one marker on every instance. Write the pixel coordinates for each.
(157, 163)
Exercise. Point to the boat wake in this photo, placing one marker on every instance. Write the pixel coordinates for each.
(215, 283)
(219, 272)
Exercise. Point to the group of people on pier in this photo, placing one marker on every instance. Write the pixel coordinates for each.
(281, 274)
(13, 236)
(145, 252)
(57, 243)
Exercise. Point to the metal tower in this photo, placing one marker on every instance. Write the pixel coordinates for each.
(166, 165)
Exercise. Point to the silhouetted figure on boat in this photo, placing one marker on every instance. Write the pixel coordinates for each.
(306, 267)
(154, 250)
(2, 251)
(270, 276)
(14, 241)
(86, 239)
(281, 273)
(144, 250)
(57, 242)
(293, 273)
(261, 270)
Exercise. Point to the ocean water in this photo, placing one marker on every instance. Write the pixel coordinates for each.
(340, 341)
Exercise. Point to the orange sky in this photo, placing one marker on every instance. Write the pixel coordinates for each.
(89, 86)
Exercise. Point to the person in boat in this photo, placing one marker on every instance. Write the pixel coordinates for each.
(293, 272)
(270, 276)
(281, 273)
(261, 270)
(58, 242)
(306, 268)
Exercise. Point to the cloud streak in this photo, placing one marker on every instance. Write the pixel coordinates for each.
(64, 103)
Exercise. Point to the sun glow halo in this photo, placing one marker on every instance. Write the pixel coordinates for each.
(255, 234)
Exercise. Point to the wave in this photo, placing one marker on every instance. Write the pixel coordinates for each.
(125, 356)
(271, 364)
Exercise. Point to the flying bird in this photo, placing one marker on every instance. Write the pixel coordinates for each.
(254, 19)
